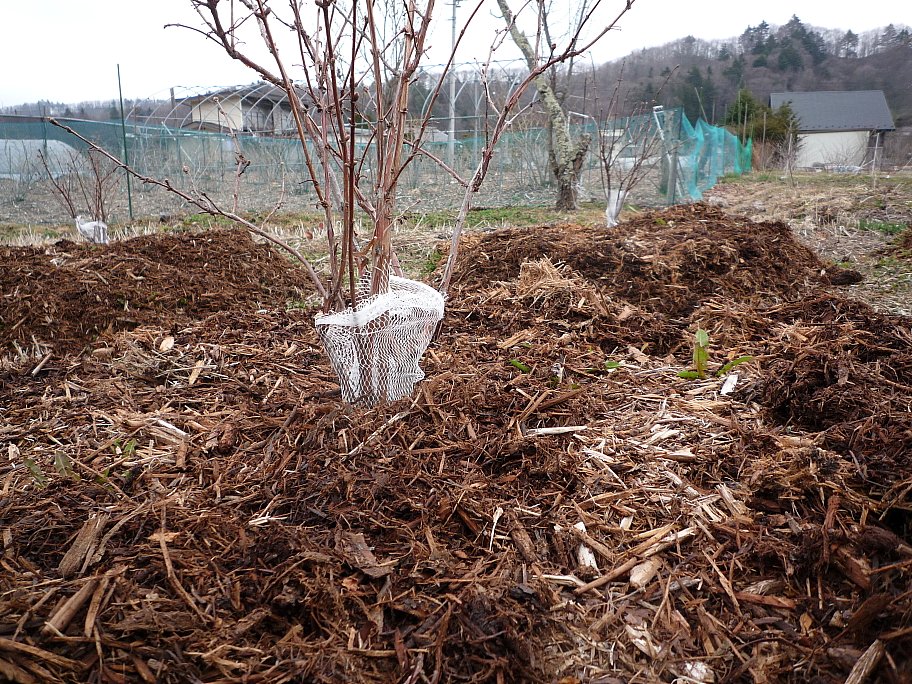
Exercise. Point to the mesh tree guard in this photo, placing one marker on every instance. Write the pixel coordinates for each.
(375, 346)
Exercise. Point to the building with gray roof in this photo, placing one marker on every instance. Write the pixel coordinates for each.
(838, 129)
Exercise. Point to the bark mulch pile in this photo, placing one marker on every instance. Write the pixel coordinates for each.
(185, 497)
(66, 294)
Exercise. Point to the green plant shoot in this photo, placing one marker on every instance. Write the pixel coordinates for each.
(520, 366)
(37, 473)
(734, 362)
(701, 352)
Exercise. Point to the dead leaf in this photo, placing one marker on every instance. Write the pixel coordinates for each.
(637, 355)
(160, 536)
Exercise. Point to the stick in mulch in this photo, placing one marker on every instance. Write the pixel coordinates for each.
(605, 579)
(62, 617)
(82, 546)
(39, 654)
(521, 539)
(866, 663)
(649, 547)
(100, 598)
(14, 673)
(172, 577)
(828, 523)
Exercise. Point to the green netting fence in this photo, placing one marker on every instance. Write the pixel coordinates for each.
(707, 153)
(688, 160)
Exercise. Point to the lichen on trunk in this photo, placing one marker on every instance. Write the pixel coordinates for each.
(566, 155)
(566, 168)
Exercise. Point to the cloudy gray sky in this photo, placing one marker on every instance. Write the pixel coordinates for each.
(67, 51)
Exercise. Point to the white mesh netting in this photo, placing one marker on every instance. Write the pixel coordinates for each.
(375, 347)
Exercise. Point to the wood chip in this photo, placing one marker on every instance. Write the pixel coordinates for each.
(83, 545)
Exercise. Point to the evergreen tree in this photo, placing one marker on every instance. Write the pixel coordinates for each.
(789, 58)
(709, 95)
(847, 45)
(743, 109)
(734, 72)
(689, 93)
(888, 38)
(753, 40)
(748, 118)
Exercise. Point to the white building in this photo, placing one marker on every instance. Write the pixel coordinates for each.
(838, 129)
(260, 108)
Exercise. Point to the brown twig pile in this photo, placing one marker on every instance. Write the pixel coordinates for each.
(188, 500)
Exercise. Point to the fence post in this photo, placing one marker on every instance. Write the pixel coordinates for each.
(44, 132)
(123, 131)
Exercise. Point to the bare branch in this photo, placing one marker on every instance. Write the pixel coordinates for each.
(63, 191)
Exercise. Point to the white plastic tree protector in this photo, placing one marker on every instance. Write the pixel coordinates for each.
(93, 231)
(616, 199)
(375, 347)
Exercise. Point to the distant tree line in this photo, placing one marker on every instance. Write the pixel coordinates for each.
(89, 110)
(705, 77)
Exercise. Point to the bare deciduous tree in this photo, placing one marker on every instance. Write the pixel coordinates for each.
(566, 153)
(87, 181)
(628, 147)
(347, 68)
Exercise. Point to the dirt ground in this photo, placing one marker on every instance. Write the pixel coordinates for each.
(186, 499)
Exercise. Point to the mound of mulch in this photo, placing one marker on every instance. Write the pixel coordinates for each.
(548, 300)
(192, 501)
(666, 261)
(844, 371)
(62, 297)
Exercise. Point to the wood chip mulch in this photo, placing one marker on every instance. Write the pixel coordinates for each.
(184, 497)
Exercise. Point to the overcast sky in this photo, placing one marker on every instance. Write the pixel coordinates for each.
(68, 51)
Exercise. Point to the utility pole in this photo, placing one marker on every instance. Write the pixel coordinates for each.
(451, 139)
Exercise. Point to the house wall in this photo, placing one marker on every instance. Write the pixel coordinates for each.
(208, 111)
(267, 117)
(843, 148)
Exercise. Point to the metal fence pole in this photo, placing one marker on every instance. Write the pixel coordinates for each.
(123, 131)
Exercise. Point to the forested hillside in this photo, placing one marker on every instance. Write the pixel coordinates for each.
(705, 76)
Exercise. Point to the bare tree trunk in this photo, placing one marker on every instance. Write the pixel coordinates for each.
(566, 155)
(567, 172)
